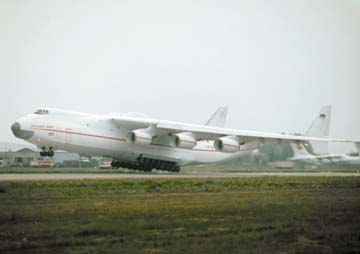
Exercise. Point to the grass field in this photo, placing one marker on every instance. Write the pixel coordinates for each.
(184, 170)
(242, 215)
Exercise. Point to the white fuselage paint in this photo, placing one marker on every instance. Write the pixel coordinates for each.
(96, 135)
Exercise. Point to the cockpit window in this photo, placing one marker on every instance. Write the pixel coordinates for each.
(42, 112)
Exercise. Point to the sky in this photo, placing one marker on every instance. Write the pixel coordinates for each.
(274, 63)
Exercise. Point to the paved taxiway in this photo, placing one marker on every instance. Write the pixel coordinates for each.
(62, 176)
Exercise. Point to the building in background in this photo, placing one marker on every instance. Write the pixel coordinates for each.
(28, 158)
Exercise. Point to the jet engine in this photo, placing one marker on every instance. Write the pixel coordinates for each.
(229, 144)
(182, 141)
(139, 137)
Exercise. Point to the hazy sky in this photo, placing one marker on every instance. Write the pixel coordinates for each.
(275, 63)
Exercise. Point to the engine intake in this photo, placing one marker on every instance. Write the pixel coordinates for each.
(182, 141)
(139, 138)
(228, 144)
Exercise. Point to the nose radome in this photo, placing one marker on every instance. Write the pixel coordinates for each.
(15, 128)
(19, 133)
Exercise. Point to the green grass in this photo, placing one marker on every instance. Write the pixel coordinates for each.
(239, 215)
(184, 170)
(234, 169)
(6, 170)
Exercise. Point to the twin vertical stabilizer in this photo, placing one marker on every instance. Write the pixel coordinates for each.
(218, 119)
(320, 127)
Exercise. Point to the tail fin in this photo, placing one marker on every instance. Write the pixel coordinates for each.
(320, 127)
(218, 118)
(299, 150)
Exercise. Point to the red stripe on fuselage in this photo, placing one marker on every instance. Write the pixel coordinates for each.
(79, 133)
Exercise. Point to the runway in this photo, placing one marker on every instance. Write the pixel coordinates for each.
(76, 176)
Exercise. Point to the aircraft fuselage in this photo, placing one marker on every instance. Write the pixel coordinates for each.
(96, 135)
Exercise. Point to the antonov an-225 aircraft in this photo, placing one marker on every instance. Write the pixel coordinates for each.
(137, 142)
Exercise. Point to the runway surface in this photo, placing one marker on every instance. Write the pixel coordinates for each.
(62, 176)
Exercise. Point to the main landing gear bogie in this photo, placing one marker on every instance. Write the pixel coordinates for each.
(147, 165)
(47, 152)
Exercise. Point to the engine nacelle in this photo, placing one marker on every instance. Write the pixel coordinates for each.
(182, 141)
(139, 138)
(227, 144)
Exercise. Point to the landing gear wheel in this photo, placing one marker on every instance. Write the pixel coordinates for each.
(45, 153)
(177, 169)
(114, 164)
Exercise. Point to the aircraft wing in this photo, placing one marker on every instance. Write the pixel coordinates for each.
(203, 132)
(209, 133)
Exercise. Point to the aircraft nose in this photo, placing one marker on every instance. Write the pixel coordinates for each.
(19, 133)
(15, 128)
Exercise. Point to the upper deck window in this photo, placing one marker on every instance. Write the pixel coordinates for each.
(42, 112)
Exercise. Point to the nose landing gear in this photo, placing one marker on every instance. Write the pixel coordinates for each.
(47, 153)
